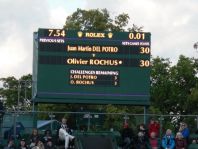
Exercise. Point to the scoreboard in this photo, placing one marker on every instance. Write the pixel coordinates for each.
(91, 67)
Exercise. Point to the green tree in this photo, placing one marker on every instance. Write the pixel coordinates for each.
(16, 93)
(98, 20)
(171, 86)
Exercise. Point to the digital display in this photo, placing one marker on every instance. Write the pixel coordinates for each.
(91, 67)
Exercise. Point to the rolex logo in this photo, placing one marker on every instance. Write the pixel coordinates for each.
(110, 35)
(80, 34)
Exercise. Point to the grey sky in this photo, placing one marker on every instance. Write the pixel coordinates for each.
(172, 23)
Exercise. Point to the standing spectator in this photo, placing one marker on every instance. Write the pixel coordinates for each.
(154, 126)
(65, 133)
(184, 131)
(127, 136)
(180, 142)
(10, 145)
(141, 141)
(168, 141)
(142, 128)
(34, 138)
(154, 141)
(22, 144)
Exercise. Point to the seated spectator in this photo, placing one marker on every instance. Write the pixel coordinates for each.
(49, 144)
(154, 141)
(64, 133)
(180, 142)
(34, 138)
(168, 141)
(10, 145)
(47, 136)
(22, 144)
(40, 144)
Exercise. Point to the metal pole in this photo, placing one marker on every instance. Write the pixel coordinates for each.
(197, 121)
(18, 93)
(14, 125)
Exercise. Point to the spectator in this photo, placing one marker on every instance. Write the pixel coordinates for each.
(127, 136)
(153, 126)
(34, 138)
(22, 144)
(10, 145)
(142, 128)
(49, 144)
(40, 144)
(168, 141)
(65, 133)
(185, 131)
(142, 141)
(47, 136)
(180, 142)
(154, 141)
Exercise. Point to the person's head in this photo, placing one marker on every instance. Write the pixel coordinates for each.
(194, 141)
(179, 135)
(142, 127)
(64, 121)
(183, 125)
(126, 125)
(10, 142)
(22, 142)
(168, 132)
(153, 134)
(49, 142)
(48, 132)
(140, 134)
(35, 132)
(40, 143)
(152, 120)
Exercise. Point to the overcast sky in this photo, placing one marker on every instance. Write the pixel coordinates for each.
(172, 23)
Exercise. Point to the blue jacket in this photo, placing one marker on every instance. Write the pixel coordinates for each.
(168, 142)
(185, 133)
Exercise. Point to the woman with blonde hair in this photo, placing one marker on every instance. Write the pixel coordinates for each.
(180, 142)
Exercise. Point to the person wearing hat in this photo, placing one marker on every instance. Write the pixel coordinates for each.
(22, 144)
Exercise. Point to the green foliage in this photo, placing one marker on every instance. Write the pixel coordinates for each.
(98, 20)
(16, 93)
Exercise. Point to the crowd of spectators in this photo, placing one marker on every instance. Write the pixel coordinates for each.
(148, 137)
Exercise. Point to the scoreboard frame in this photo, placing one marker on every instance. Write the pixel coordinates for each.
(91, 67)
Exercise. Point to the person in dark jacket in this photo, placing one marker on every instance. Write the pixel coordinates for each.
(127, 136)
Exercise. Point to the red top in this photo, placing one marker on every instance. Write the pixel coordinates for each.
(153, 142)
(154, 128)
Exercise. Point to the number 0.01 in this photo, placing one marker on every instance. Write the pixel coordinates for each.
(137, 36)
(144, 63)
